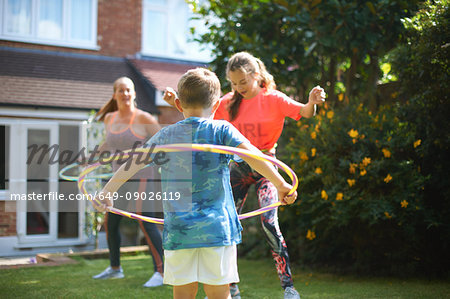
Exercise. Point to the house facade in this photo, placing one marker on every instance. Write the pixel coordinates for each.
(58, 61)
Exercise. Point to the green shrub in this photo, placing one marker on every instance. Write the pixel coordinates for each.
(422, 65)
(360, 194)
(374, 189)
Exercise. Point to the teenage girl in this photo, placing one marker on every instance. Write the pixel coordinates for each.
(258, 111)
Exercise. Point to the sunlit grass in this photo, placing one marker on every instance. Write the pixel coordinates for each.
(258, 280)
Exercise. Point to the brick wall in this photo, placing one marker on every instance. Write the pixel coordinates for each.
(7, 219)
(119, 27)
(118, 30)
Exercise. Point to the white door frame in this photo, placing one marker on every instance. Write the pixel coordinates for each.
(20, 134)
(18, 182)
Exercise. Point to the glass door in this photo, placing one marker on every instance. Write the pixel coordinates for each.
(38, 163)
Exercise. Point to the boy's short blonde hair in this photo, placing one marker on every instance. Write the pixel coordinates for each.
(198, 88)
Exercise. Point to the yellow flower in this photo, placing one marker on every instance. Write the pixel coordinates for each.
(330, 114)
(313, 135)
(366, 161)
(354, 141)
(313, 152)
(303, 156)
(291, 139)
(324, 195)
(386, 153)
(360, 107)
(353, 133)
(387, 215)
(318, 170)
(404, 204)
(352, 168)
(363, 172)
(339, 196)
(388, 178)
(310, 235)
(417, 143)
(341, 97)
(351, 182)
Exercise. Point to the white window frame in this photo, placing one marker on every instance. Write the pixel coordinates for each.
(169, 52)
(65, 41)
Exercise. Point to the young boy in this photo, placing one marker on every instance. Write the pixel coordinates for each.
(202, 229)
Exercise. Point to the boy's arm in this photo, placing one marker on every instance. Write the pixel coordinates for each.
(267, 170)
(123, 174)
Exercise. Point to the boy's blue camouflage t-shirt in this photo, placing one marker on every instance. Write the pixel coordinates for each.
(204, 215)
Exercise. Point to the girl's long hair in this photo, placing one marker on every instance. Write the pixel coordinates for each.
(248, 64)
(111, 105)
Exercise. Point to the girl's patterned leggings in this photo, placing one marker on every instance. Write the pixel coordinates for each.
(242, 177)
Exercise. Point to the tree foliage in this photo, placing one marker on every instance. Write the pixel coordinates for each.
(304, 43)
(423, 68)
(374, 187)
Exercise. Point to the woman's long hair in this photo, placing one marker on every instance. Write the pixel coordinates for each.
(111, 105)
(248, 64)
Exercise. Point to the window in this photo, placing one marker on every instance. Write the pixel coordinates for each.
(69, 23)
(166, 31)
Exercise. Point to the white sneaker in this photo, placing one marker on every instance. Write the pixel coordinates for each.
(291, 293)
(110, 273)
(155, 281)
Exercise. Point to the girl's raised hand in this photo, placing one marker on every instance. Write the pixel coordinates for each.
(317, 95)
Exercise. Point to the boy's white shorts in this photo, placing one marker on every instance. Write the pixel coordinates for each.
(208, 265)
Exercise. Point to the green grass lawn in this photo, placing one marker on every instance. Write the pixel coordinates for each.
(258, 281)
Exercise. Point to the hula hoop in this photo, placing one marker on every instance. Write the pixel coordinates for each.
(219, 149)
(75, 178)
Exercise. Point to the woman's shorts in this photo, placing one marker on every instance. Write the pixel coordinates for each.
(208, 265)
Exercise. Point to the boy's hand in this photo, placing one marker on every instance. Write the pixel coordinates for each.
(101, 202)
(317, 95)
(283, 196)
(169, 96)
